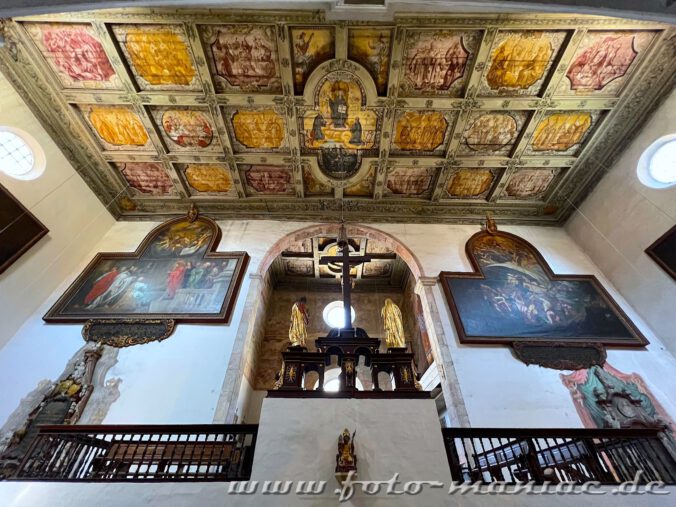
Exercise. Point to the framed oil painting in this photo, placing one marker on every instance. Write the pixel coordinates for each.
(512, 295)
(663, 252)
(19, 229)
(174, 274)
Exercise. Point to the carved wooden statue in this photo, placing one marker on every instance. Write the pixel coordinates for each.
(299, 321)
(394, 329)
(346, 459)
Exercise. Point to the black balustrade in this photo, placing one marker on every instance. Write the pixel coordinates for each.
(105, 453)
(559, 455)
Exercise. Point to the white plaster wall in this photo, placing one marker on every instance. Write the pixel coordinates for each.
(621, 218)
(179, 380)
(59, 199)
(297, 440)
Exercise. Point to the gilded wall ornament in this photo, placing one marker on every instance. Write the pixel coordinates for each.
(128, 332)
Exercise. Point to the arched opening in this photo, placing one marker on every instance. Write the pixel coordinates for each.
(289, 270)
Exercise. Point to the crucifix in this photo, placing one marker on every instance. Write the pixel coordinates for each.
(346, 261)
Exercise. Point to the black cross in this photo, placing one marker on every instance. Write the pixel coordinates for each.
(346, 261)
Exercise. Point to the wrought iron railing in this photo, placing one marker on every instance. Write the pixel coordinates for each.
(558, 455)
(209, 452)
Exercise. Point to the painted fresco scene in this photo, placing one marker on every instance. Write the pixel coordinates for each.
(436, 62)
(340, 127)
(267, 179)
(117, 127)
(341, 118)
(492, 133)
(209, 178)
(517, 298)
(411, 181)
(75, 54)
(520, 62)
(256, 130)
(243, 57)
(147, 178)
(562, 133)
(172, 276)
(423, 132)
(472, 183)
(185, 129)
(603, 61)
(310, 47)
(160, 56)
(530, 183)
(371, 47)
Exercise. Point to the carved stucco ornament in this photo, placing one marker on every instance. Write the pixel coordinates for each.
(125, 333)
(560, 356)
(62, 401)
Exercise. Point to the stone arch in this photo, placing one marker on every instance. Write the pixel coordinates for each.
(235, 395)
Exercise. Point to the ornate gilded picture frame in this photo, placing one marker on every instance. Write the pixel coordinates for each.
(174, 274)
(512, 295)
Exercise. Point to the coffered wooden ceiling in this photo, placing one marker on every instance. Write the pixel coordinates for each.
(286, 115)
(298, 267)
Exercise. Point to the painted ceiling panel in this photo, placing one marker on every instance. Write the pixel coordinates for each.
(186, 129)
(147, 178)
(208, 179)
(530, 183)
(116, 127)
(75, 54)
(438, 62)
(242, 58)
(158, 55)
(411, 182)
(267, 179)
(521, 62)
(285, 114)
(603, 61)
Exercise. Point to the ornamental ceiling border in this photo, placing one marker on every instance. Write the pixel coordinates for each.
(379, 189)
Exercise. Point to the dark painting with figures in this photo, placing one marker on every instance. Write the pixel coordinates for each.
(19, 229)
(663, 252)
(513, 295)
(174, 274)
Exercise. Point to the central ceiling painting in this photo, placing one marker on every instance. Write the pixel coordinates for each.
(255, 114)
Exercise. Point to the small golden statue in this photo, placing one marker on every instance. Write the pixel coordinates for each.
(491, 226)
(394, 330)
(279, 378)
(346, 459)
(299, 321)
(193, 213)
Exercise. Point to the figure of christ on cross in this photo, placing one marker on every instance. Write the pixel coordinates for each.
(346, 261)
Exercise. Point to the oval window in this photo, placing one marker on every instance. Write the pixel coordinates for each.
(657, 166)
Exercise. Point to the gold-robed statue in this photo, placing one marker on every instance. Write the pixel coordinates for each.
(394, 330)
(299, 321)
(346, 459)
